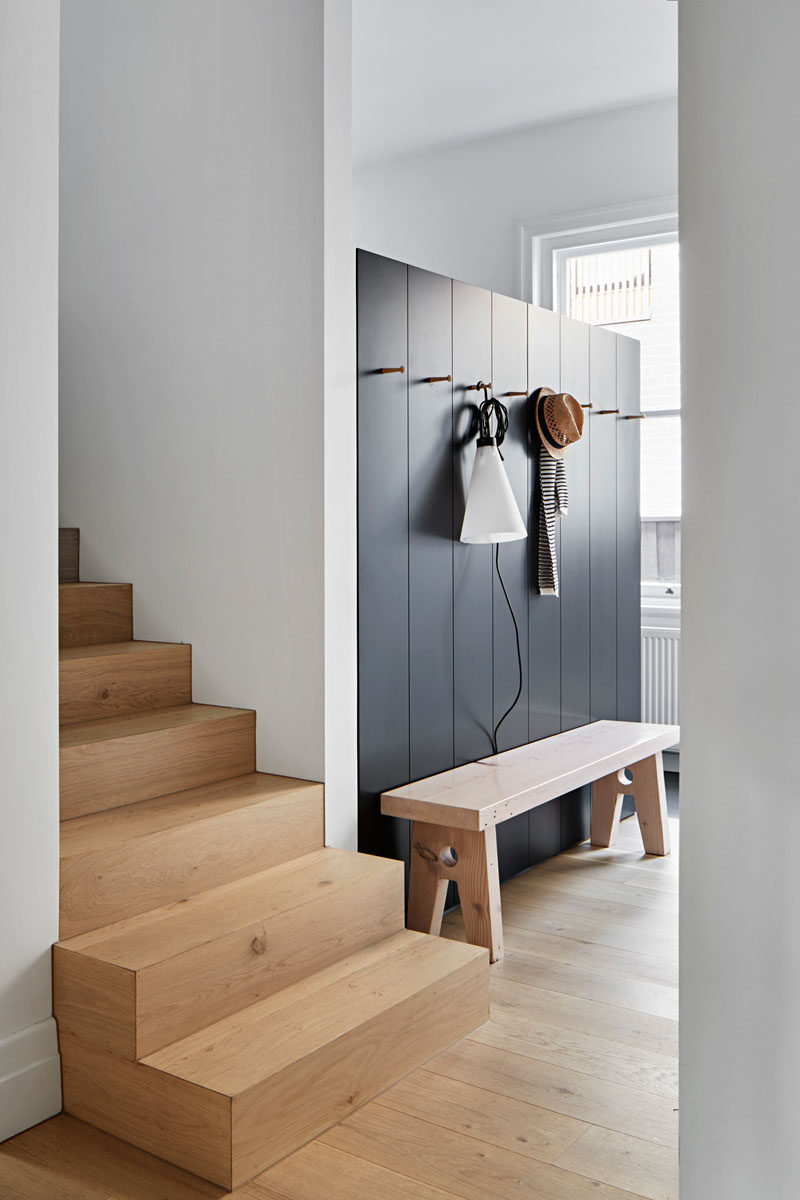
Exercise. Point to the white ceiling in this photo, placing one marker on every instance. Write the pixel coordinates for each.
(430, 73)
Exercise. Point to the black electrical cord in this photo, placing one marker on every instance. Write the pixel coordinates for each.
(519, 652)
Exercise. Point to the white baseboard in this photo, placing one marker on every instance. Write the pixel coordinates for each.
(30, 1078)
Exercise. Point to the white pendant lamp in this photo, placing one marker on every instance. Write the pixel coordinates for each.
(492, 513)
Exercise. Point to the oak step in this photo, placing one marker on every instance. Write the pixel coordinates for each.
(121, 760)
(117, 678)
(94, 613)
(236, 1097)
(136, 986)
(124, 861)
(69, 548)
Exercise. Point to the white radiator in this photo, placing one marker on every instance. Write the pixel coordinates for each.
(661, 652)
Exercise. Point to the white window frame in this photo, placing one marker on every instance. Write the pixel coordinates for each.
(540, 237)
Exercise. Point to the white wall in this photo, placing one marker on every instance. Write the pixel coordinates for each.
(29, 1074)
(458, 211)
(740, 753)
(341, 632)
(192, 356)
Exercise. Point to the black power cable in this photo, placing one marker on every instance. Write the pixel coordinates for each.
(512, 706)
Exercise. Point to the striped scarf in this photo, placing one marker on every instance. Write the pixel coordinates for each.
(552, 503)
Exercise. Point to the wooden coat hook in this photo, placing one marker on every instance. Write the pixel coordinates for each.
(602, 412)
(515, 393)
(439, 379)
(587, 406)
(477, 387)
(391, 370)
(636, 417)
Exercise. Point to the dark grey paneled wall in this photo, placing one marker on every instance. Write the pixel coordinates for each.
(437, 661)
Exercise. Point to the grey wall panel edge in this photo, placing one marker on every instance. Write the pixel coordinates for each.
(544, 612)
(382, 548)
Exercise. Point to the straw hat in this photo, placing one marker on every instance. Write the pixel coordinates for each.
(559, 420)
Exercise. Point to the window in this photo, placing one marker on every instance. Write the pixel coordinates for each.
(632, 286)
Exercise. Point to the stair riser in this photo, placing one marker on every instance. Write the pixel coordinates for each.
(196, 1129)
(180, 995)
(171, 1118)
(119, 881)
(95, 613)
(69, 549)
(106, 774)
(114, 685)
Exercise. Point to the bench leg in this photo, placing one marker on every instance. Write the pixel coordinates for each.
(649, 797)
(606, 807)
(469, 858)
(427, 885)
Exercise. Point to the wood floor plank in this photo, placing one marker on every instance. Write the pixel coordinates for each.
(616, 1062)
(64, 1154)
(626, 855)
(659, 1034)
(659, 944)
(625, 1162)
(319, 1171)
(581, 865)
(584, 1097)
(562, 948)
(474, 1169)
(574, 980)
(501, 1120)
(587, 897)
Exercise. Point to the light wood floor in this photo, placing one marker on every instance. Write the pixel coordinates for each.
(569, 1092)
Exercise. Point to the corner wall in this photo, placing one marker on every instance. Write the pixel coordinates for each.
(740, 755)
(341, 601)
(458, 211)
(29, 1066)
(192, 356)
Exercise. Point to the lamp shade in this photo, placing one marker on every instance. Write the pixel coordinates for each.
(491, 514)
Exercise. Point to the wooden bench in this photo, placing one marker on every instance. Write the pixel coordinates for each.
(455, 815)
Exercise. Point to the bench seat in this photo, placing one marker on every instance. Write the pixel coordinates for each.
(455, 814)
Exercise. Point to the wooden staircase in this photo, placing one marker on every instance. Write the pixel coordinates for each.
(226, 987)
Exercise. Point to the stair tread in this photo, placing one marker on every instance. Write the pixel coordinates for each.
(162, 933)
(239, 1051)
(105, 649)
(132, 724)
(80, 835)
(89, 583)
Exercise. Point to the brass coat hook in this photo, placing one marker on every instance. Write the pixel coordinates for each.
(637, 417)
(439, 379)
(391, 370)
(602, 412)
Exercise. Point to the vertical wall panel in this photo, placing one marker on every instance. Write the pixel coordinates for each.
(510, 374)
(629, 650)
(603, 525)
(430, 521)
(544, 370)
(575, 570)
(544, 612)
(472, 565)
(383, 549)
